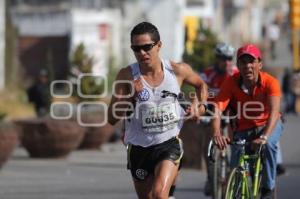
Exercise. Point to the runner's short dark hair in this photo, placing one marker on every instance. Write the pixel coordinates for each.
(145, 28)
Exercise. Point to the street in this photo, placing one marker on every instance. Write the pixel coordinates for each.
(102, 174)
(72, 40)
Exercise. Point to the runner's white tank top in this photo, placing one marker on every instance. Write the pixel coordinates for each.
(155, 119)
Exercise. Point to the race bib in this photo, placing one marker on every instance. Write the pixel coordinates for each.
(160, 118)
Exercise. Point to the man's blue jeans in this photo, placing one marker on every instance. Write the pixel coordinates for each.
(270, 162)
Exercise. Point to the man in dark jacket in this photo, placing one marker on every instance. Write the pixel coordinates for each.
(39, 94)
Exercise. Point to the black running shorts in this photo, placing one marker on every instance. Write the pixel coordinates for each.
(142, 160)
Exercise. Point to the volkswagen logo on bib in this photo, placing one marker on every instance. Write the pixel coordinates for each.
(144, 95)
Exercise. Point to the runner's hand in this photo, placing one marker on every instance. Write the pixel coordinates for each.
(194, 112)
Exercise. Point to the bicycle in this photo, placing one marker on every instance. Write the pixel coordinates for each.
(244, 182)
(219, 169)
(220, 159)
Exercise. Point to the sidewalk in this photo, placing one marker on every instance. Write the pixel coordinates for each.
(284, 55)
(99, 174)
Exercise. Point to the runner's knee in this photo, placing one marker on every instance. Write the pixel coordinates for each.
(159, 193)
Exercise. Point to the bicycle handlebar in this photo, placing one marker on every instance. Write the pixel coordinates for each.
(243, 143)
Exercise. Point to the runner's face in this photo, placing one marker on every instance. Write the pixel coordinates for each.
(145, 50)
(249, 68)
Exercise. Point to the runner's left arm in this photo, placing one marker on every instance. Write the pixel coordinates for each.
(185, 74)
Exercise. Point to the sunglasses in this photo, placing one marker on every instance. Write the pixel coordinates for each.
(145, 47)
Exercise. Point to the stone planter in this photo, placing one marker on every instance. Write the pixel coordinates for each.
(8, 141)
(193, 136)
(95, 136)
(49, 138)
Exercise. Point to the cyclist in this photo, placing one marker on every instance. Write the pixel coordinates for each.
(153, 122)
(214, 77)
(223, 68)
(255, 97)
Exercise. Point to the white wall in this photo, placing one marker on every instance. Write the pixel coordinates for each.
(34, 23)
(201, 11)
(167, 15)
(133, 14)
(85, 29)
(82, 26)
(170, 24)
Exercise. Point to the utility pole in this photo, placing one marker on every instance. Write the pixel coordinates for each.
(2, 44)
(295, 25)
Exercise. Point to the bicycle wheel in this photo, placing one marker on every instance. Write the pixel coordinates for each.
(216, 185)
(220, 168)
(235, 184)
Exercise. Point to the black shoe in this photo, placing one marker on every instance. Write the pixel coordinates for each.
(267, 193)
(280, 169)
(207, 188)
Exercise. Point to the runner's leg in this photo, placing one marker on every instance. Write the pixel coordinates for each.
(143, 188)
(165, 174)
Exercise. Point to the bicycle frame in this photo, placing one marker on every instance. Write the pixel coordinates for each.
(249, 179)
(218, 167)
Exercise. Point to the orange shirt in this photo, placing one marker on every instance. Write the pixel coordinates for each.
(251, 109)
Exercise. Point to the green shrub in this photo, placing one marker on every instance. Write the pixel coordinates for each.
(89, 85)
(203, 55)
(203, 50)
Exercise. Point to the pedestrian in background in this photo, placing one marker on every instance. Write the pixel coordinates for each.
(273, 34)
(289, 96)
(39, 94)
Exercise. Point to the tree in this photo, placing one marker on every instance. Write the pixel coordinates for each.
(11, 34)
(82, 63)
(203, 50)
